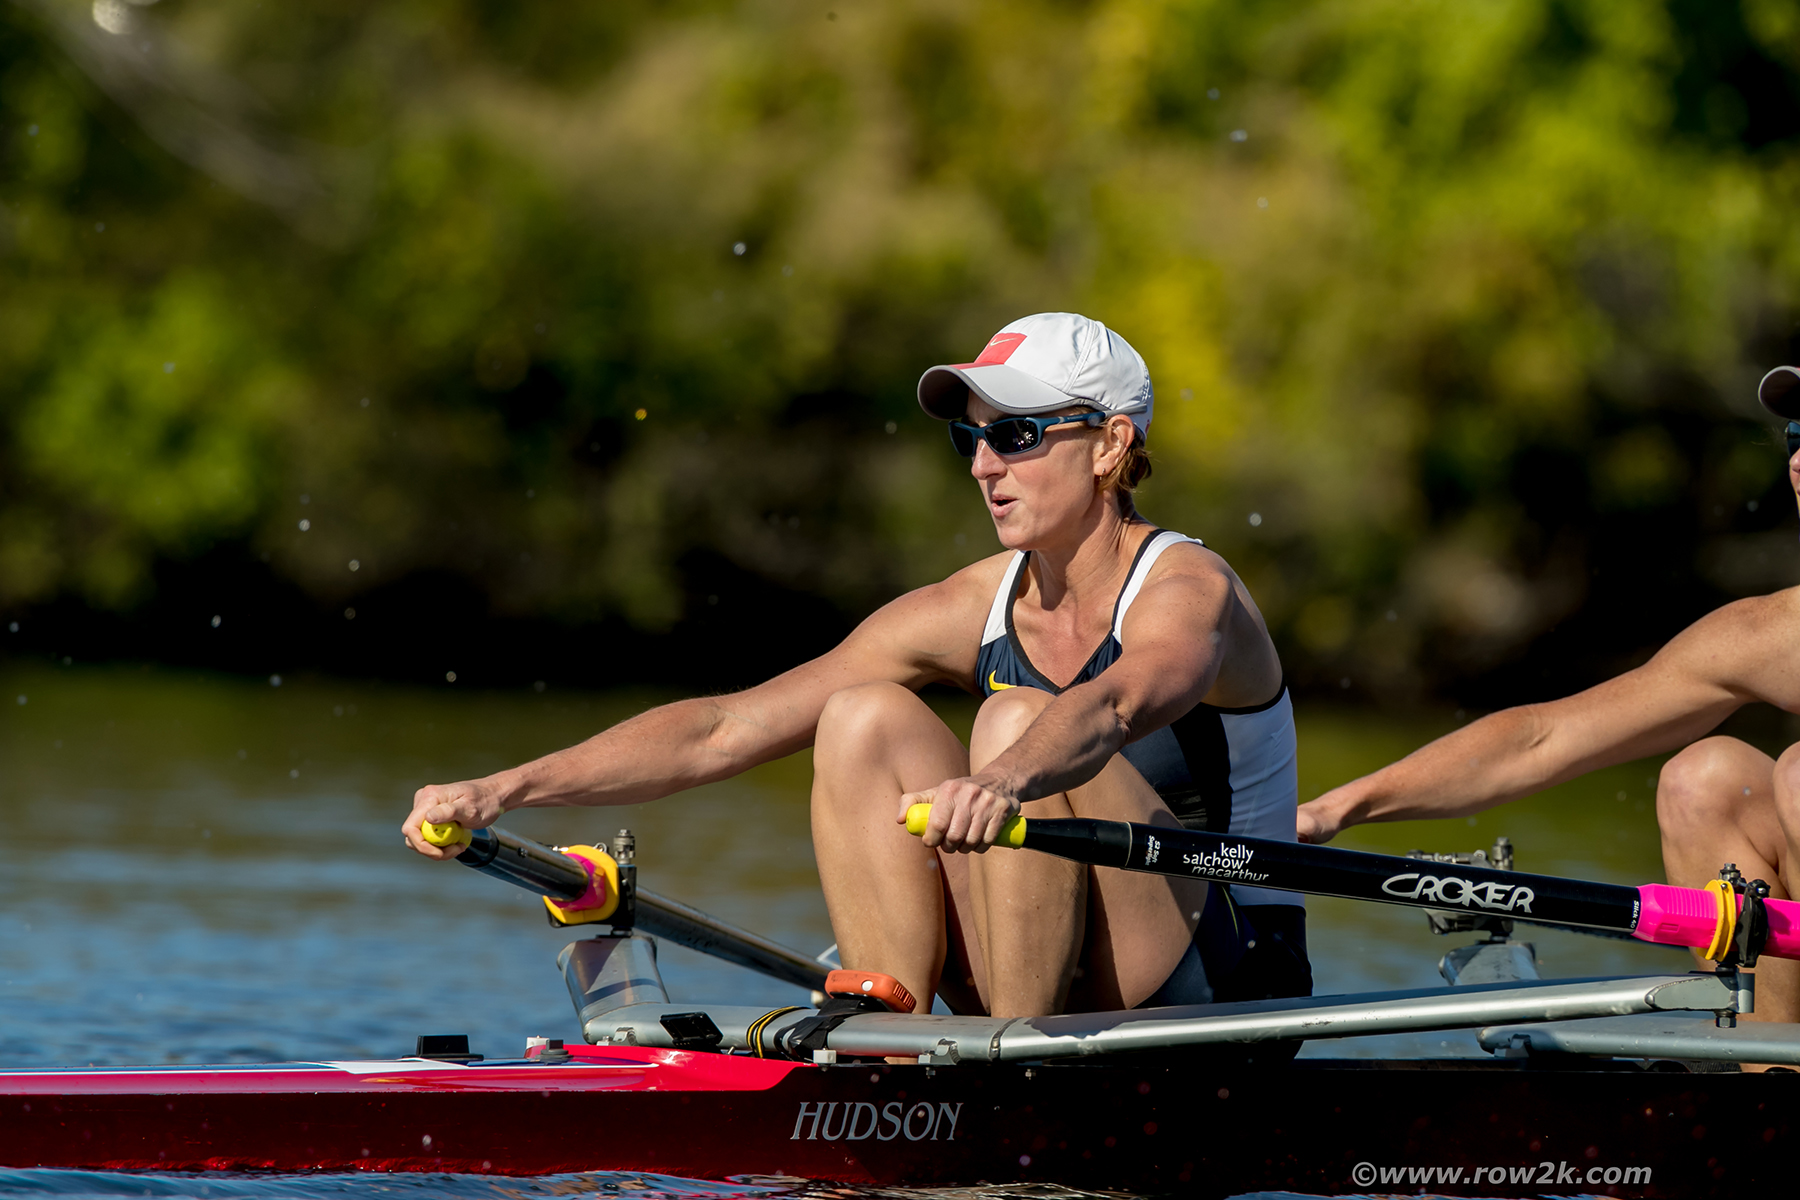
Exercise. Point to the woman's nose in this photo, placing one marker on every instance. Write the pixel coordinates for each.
(986, 464)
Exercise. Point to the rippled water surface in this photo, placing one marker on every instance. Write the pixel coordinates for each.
(204, 869)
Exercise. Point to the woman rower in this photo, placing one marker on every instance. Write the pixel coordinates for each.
(1126, 675)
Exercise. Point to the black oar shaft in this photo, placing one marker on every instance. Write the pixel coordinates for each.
(525, 863)
(1325, 871)
(549, 872)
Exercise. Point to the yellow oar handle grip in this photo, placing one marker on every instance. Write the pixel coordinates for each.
(1011, 834)
(447, 834)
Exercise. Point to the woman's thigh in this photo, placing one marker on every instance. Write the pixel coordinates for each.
(1138, 925)
(883, 888)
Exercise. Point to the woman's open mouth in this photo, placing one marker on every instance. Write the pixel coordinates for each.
(1000, 505)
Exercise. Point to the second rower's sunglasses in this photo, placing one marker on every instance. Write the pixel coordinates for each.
(1013, 435)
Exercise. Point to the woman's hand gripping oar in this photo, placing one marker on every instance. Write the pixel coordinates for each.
(1729, 919)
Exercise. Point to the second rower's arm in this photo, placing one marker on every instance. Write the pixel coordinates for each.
(1716, 665)
(1179, 635)
(914, 640)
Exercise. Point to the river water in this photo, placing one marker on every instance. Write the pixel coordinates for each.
(209, 869)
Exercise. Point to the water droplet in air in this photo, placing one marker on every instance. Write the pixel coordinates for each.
(641, 413)
(21, 699)
(1262, 202)
(449, 676)
(1255, 519)
(294, 774)
(365, 402)
(1212, 93)
(168, 368)
(1240, 135)
(217, 621)
(738, 248)
(537, 685)
(356, 564)
(349, 614)
(305, 524)
(892, 427)
(274, 681)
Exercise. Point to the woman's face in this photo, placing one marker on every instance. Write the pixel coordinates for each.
(1046, 494)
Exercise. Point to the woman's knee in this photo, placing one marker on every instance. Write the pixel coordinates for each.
(1710, 785)
(1787, 789)
(1002, 719)
(859, 718)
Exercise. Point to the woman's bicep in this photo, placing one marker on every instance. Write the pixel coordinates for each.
(1175, 638)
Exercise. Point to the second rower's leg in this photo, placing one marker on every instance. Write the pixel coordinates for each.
(883, 889)
(1036, 916)
(1719, 801)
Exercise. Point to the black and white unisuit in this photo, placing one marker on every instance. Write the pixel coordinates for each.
(1226, 770)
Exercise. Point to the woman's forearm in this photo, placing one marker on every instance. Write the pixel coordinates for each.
(1489, 762)
(647, 757)
(1068, 745)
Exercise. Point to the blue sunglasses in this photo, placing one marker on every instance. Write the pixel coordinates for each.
(1014, 435)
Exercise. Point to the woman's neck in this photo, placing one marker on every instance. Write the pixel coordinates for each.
(1091, 562)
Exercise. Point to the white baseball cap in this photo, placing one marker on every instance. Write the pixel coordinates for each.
(1779, 392)
(1042, 363)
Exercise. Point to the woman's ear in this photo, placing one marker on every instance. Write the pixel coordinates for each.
(1117, 436)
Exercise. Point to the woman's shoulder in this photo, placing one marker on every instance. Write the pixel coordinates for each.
(1180, 568)
(964, 593)
(973, 587)
(1187, 556)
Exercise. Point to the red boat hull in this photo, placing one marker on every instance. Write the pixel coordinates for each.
(1180, 1124)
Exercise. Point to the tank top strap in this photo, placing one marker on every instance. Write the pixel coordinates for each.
(1009, 586)
(1140, 571)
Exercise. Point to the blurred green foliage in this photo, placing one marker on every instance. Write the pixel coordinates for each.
(1446, 303)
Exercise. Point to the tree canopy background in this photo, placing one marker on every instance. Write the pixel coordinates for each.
(580, 340)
